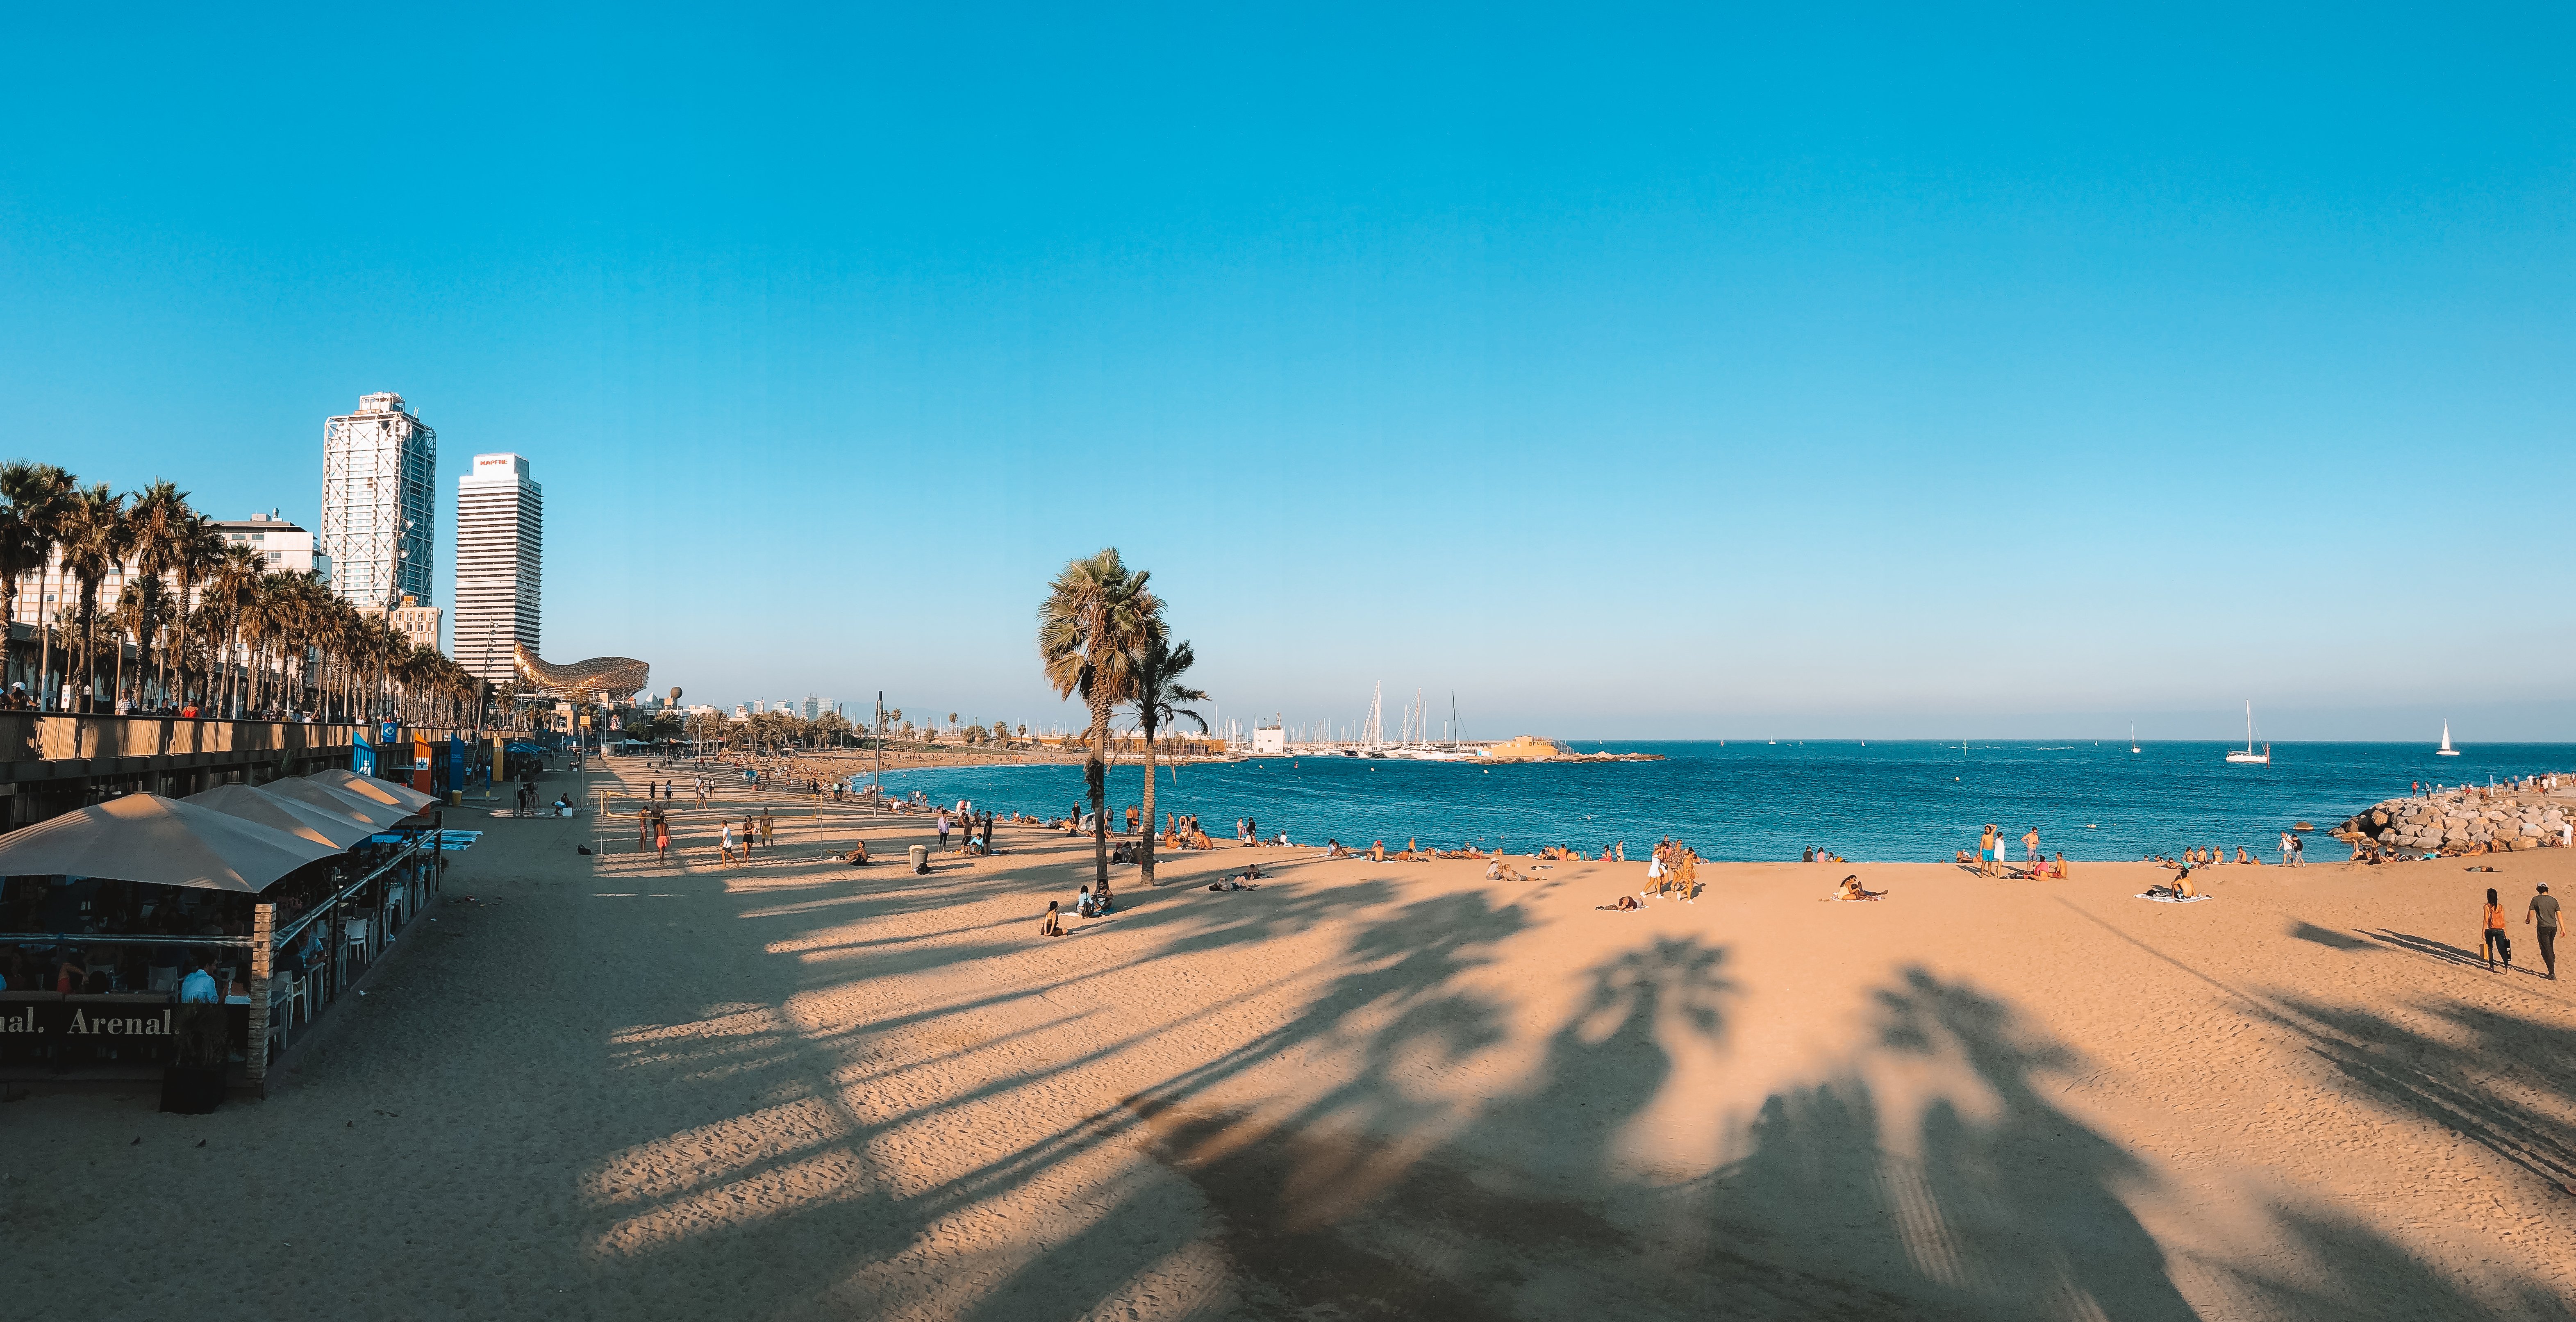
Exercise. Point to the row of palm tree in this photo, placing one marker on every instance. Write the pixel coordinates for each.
(205, 621)
(1101, 635)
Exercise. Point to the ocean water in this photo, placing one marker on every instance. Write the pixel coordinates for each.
(1893, 801)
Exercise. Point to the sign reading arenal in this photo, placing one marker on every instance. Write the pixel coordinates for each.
(99, 1018)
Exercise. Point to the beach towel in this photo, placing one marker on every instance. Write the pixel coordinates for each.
(2168, 899)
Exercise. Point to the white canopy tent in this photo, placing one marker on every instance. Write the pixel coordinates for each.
(348, 807)
(163, 842)
(293, 816)
(369, 787)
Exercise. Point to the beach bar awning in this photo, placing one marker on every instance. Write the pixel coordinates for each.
(292, 816)
(369, 787)
(348, 807)
(163, 842)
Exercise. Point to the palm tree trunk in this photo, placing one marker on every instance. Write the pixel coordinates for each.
(1095, 778)
(45, 632)
(1145, 837)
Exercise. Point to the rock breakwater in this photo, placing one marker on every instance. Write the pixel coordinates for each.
(2468, 820)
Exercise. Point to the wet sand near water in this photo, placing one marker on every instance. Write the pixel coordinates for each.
(605, 1087)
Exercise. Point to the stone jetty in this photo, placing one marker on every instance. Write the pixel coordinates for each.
(2470, 819)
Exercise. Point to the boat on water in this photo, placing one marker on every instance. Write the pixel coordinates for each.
(2133, 738)
(2446, 750)
(2249, 757)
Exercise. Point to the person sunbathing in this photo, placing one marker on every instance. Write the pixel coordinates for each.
(1622, 904)
(1377, 851)
(1852, 890)
(858, 855)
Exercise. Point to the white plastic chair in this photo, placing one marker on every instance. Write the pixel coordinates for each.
(354, 932)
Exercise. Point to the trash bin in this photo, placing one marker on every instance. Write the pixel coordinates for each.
(920, 859)
(456, 798)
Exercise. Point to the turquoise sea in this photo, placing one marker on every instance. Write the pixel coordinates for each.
(1884, 801)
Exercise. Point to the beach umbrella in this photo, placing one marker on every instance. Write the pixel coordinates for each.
(292, 816)
(368, 787)
(347, 807)
(161, 842)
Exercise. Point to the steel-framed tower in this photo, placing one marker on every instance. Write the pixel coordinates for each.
(379, 504)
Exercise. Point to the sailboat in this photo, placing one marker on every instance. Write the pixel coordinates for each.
(2249, 756)
(2446, 750)
(2133, 738)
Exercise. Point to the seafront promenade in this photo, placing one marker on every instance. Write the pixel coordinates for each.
(798, 1088)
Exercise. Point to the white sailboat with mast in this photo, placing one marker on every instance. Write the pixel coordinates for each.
(2249, 757)
(2446, 750)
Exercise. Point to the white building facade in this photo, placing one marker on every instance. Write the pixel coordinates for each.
(379, 503)
(282, 547)
(500, 563)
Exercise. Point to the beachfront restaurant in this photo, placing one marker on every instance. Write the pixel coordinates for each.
(192, 940)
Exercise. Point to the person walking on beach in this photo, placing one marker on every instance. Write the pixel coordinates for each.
(2543, 918)
(661, 837)
(943, 831)
(1986, 847)
(2495, 943)
(725, 841)
(2287, 840)
(768, 829)
(2298, 851)
(643, 829)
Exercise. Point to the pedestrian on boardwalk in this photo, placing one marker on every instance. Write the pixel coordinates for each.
(2543, 918)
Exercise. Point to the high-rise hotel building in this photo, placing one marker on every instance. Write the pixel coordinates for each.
(379, 503)
(500, 551)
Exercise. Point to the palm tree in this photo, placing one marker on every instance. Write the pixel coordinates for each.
(37, 494)
(232, 590)
(140, 611)
(1159, 666)
(93, 540)
(160, 528)
(1096, 614)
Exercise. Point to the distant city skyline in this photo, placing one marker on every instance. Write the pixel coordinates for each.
(1725, 374)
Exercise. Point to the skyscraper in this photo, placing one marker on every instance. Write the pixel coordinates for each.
(500, 554)
(378, 509)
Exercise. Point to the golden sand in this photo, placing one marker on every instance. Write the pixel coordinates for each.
(802, 1089)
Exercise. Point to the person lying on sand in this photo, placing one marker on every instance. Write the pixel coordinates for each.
(1497, 870)
(1624, 902)
(1851, 889)
(1232, 884)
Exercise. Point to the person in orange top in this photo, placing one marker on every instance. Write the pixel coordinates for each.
(2495, 942)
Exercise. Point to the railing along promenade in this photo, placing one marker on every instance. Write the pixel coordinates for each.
(53, 762)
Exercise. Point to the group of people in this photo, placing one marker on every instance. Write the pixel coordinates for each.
(2541, 915)
(665, 791)
(1992, 857)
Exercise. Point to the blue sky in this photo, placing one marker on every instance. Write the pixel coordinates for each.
(1632, 372)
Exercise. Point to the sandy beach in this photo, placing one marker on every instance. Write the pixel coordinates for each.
(598, 1086)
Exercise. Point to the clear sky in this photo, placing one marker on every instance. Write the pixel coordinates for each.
(1631, 372)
